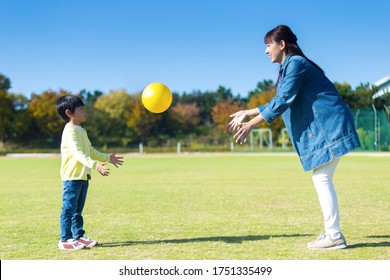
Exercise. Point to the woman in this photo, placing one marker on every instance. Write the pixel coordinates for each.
(319, 123)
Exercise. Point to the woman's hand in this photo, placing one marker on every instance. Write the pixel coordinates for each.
(243, 132)
(235, 123)
(243, 129)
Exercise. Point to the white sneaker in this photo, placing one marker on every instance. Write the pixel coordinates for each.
(70, 245)
(325, 242)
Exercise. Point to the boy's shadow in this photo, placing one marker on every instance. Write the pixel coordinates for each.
(226, 239)
(376, 244)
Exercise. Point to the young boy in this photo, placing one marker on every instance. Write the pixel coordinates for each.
(78, 159)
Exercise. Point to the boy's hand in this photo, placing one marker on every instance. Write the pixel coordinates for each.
(102, 169)
(115, 160)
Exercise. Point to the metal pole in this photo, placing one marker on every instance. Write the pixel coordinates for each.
(261, 139)
(375, 127)
(356, 118)
(388, 126)
(251, 141)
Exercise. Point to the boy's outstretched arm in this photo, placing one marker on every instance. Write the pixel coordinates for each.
(116, 160)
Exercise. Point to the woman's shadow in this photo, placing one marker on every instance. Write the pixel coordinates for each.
(240, 239)
(372, 244)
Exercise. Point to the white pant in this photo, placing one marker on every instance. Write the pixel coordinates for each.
(322, 178)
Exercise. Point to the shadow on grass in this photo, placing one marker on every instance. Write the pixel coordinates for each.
(376, 244)
(363, 245)
(378, 236)
(226, 239)
(372, 244)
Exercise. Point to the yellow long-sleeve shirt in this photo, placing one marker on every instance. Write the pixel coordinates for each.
(78, 155)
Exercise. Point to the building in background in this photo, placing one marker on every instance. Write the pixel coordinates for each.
(383, 86)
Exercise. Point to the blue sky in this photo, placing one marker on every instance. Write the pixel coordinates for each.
(188, 45)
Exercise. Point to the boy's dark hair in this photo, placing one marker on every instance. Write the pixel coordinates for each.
(68, 102)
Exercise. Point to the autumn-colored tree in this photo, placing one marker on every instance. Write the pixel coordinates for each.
(47, 126)
(260, 99)
(221, 112)
(6, 119)
(109, 121)
(142, 123)
(206, 101)
(185, 117)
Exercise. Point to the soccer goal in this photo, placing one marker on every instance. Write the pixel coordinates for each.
(261, 137)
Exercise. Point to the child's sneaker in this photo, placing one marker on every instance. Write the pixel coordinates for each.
(70, 244)
(89, 243)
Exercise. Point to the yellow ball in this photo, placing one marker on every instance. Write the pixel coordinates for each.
(156, 97)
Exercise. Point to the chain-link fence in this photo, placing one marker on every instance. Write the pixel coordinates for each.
(373, 128)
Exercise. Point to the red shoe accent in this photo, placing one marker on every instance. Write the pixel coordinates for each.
(70, 245)
(89, 243)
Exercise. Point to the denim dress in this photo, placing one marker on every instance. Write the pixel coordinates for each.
(319, 123)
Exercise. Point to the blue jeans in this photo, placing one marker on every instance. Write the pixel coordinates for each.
(74, 193)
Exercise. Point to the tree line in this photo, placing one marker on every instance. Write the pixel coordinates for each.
(118, 118)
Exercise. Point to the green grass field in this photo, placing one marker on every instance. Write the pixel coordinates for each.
(197, 207)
